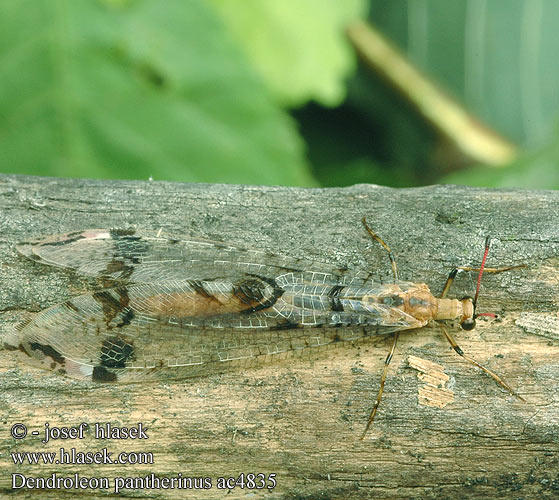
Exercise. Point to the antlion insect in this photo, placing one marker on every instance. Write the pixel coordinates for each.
(427, 307)
(175, 308)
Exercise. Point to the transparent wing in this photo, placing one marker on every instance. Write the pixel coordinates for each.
(185, 328)
(197, 306)
(143, 257)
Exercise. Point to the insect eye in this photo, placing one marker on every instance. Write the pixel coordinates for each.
(468, 324)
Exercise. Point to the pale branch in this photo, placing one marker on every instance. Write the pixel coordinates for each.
(461, 437)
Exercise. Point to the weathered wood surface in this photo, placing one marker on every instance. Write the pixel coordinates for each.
(301, 419)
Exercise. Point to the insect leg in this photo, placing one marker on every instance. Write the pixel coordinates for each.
(449, 281)
(377, 238)
(454, 272)
(493, 375)
(491, 269)
(381, 388)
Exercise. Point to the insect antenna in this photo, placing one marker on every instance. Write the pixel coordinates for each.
(481, 268)
(451, 340)
(467, 324)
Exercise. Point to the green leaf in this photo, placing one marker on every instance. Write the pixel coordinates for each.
(133, 89)
(299, 47)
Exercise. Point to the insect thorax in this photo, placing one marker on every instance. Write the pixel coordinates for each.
(414, 299)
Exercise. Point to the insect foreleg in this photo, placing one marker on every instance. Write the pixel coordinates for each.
(449, 281)
(490, 269)
(454, 272)
(493, 375)
(381, 388)
(377, 238)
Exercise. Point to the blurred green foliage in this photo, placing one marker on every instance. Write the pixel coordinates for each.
(298, 47)
(499, 59)
(269, 92)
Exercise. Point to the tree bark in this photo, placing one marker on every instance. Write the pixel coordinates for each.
(443, 430)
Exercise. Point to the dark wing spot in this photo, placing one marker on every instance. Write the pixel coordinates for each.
(285, 325)
(119, 233)
(336, 305)
(74, 233)
(250, 291)
(290, 269)
(101, 374)
(333, 294)
(71, 306)
(335, 291)
(126, 318)
(112, 305)
(130, 248)
(70, 238)
(115, 352)
(118, 266)
(254, 293)
(198, 287)
(47, 350)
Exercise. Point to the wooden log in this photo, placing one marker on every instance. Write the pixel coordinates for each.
(301, 419)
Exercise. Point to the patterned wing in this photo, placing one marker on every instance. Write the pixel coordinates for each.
(187, 328)
(142, 257)
(198, 306)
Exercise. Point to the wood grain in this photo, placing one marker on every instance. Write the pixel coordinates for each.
(301, 419)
